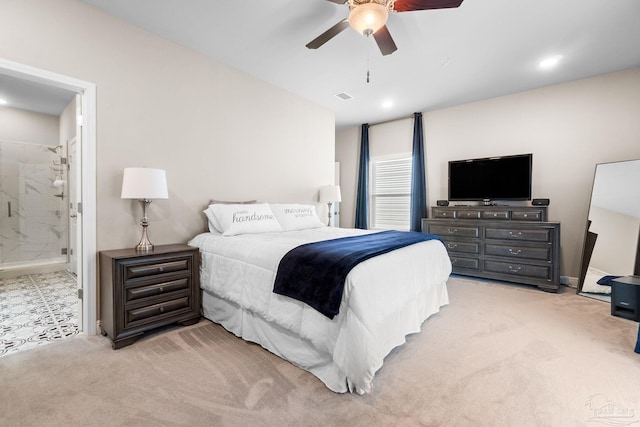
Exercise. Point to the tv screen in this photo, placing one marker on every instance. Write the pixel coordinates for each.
(493, 178)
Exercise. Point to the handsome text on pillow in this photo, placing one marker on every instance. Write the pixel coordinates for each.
(231, 220)
(296, 216)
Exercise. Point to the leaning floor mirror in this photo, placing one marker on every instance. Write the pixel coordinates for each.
(612, 238)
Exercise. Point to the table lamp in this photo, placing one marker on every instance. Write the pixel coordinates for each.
(144, 184)
(330, 194)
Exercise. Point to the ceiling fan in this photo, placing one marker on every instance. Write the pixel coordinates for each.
(370, 17)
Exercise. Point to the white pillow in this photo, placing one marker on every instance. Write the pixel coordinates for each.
(244, 219)
(296, 217)
(214, 225)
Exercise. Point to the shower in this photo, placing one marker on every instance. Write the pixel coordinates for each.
(34, 215)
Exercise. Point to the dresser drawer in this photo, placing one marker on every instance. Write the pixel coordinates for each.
(529, 215)
(151, 313)
(458, 263)
(519, 269)
(133, 271)
(464, 247)
(497, 214)
(454, 230)
(542, 253)
(468, 214)
(443, 213)
(528, 234)
(134, 293)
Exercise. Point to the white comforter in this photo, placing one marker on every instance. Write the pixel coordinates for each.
(385, 298)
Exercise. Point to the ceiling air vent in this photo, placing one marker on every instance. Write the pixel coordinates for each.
(344, 96)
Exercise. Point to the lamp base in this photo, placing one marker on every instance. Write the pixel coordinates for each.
(144, 245)
(329, 206)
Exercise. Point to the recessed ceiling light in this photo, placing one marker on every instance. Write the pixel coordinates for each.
(387, 104)
(550, 62)
(3, 101)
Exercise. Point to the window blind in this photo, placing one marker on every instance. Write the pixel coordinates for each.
(391, 193)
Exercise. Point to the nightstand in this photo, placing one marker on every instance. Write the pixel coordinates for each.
(140, 291)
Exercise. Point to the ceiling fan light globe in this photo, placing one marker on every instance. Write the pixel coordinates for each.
(368, 18)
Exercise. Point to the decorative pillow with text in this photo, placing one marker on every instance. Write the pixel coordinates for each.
(214, 225)
(244, 219)
(296, 217)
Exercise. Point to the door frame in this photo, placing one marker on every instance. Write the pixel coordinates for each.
(88, 177)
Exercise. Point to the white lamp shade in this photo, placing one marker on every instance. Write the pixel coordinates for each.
(144, 183)
(368, 17)
(330, 193)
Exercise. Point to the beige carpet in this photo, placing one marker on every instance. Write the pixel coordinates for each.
(498, 355)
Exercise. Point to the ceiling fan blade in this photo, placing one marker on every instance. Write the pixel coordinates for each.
(385, 41)
(410, 5)
(328, 35)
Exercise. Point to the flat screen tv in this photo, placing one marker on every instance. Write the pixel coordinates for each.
(493, 178)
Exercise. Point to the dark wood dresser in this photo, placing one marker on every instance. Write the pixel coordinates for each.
(140, 291)
(514, 244)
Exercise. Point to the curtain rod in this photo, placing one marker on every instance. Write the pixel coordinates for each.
(391, 120)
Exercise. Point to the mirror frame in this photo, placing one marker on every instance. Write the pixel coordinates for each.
(589, 241)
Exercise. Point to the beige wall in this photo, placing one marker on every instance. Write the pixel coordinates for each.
(569, 128)
(26, 126)
(216, 131)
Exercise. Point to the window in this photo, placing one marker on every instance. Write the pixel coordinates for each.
(391, 193)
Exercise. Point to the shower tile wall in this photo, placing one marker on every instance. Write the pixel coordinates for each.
(32, 219)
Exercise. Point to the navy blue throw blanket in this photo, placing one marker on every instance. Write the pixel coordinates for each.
(315, 273)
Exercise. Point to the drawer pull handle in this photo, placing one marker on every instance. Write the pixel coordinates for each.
(526, 215)
(160, 269)
(516, 252)
(161, 289)
(514, 270)
(452, 245)
(450, 231)
(515, 235)
(161, 309)
(453, 261)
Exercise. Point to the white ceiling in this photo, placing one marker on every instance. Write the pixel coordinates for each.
(483, 49)
(33, 96)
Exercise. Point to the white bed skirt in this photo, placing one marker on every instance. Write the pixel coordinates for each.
(299, 351)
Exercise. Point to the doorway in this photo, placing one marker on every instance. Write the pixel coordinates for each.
(85, 198)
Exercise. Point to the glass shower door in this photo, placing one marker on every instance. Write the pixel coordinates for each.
(33, 219)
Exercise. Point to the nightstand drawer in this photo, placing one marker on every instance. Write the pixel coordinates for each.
(162, 288)
(144, 270)
(166, 308)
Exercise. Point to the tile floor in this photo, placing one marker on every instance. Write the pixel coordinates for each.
(37, 309)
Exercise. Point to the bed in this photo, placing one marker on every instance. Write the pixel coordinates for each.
(385, 298)
(591, 285)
